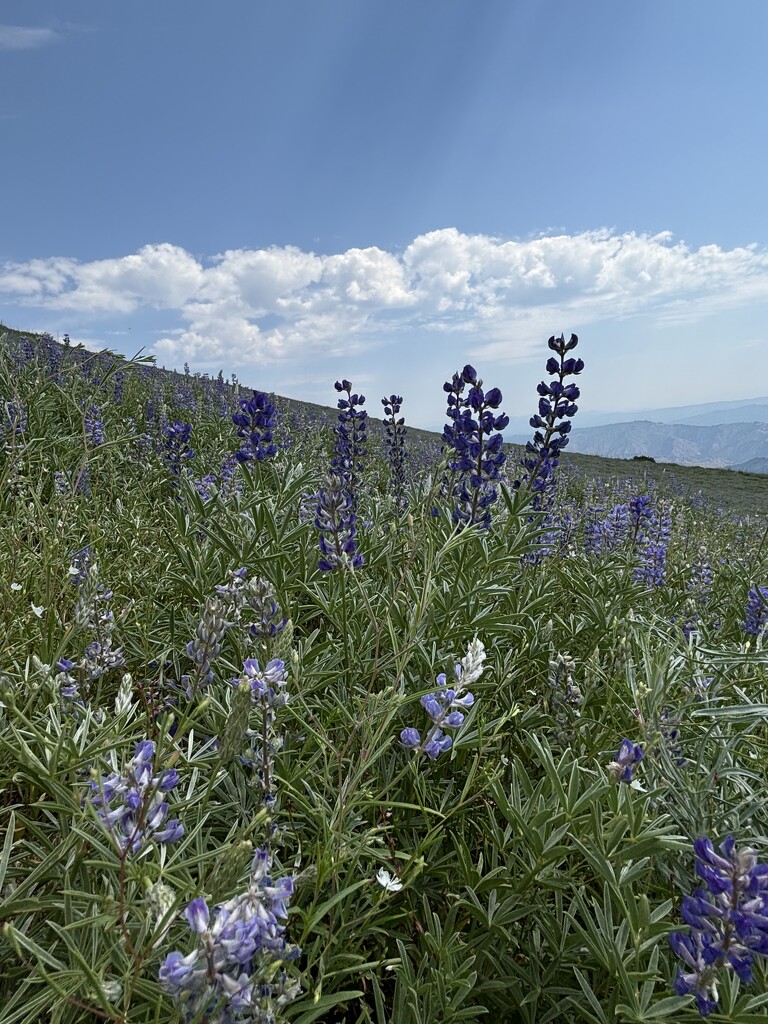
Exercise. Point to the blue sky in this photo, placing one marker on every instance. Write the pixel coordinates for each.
(302, 190)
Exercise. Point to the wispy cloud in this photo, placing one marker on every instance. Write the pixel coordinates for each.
(22, 37)
(268, 304)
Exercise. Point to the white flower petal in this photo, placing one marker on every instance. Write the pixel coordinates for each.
(388, 881)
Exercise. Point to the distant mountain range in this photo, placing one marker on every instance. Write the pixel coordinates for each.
(719, 434)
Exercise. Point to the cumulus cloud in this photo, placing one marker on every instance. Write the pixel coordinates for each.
(20, 37)
(266, 304)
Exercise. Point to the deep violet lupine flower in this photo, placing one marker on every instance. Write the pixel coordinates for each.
(335, 521)
(652, 570)
(230, 975)
(627, 757)
(255, 427)
(552, 422)
(756, 611)
(447, 705)
(394, 426)
(640, 517)
(727, 921)
(474, 447)
(130, 803)
(175, 445)
(351, 440)
(94, 426)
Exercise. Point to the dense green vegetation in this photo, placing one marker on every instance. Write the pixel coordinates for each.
(531, 872)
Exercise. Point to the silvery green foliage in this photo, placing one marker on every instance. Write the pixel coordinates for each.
(514, 878)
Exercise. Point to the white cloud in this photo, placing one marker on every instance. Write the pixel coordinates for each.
(260, 306)
(20, 37)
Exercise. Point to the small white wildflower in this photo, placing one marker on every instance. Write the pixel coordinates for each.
(112, 989)
(389, 882)
(16, 586)
(38, 609)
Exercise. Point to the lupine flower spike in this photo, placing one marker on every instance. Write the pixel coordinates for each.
(394, 426)
(447, 705)
(474, 446)
(552, 422)
(255, 427)
(233, 974)
(727, 921)
(130, 804)
(351, 446)
(336, 521)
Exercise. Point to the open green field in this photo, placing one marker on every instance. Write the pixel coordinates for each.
(307, 719)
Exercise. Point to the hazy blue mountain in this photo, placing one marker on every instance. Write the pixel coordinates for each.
(743, 410)
(742, 414)
(757, 465)
(725, 444)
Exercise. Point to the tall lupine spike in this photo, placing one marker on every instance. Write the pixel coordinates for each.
(94, 426)
(176, 449)
(652, 569)
(552, 422)
(351, 440)
(394, 426)
(335, 521)
(474, 446)
(727, 921)
(255, 427)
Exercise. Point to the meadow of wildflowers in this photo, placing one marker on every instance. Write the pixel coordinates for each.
(307, 717)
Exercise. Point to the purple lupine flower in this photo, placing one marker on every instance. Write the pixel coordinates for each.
(652, 542)
(627, 757)
(80, 566)
(552, 422)
(255, 427)
(727, 921)
(267, 684)
(606, 534)
(640, 518)
(474, 446)
(350, 440)
(447, 705)
(231, 970)
(336, 521)
(130, 804)
(175, 447)
(94, 426)
(756, 611)
(394, 426)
